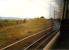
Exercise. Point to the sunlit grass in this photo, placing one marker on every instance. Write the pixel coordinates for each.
(13, 34)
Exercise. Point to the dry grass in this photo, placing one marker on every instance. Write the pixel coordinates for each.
(13, 34)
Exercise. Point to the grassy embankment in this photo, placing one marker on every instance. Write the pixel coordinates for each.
(12, 34)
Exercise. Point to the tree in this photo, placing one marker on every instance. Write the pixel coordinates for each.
(42, 17)
(24, 21)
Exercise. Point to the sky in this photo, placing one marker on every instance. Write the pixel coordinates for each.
(25, 8)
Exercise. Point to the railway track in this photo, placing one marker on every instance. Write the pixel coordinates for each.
(52, 42)
(33, 42)
(41, 43)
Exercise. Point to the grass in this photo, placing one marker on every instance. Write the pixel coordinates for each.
(7, 23)
(12, 34)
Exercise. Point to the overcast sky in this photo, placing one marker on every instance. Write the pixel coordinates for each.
(24, 8)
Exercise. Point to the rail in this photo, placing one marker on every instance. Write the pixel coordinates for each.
(39, 33)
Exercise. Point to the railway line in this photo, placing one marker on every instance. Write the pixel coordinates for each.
(36, 41)
(24, 43)
(39, 45)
